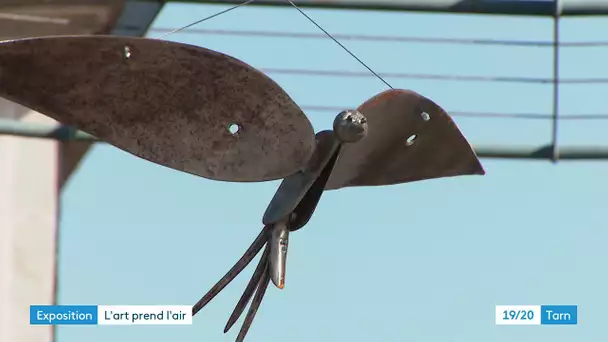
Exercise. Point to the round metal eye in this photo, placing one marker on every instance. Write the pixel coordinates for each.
(349, 127)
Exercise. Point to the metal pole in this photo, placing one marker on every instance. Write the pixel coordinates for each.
(555, 154)
(586, 153)
(59, 132)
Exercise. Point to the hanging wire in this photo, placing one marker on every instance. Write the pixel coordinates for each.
(340, 44)
(301, 12)
(339, 73)
(205, 19)
(382, 77)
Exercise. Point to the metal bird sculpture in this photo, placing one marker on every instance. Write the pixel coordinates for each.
(172, 104)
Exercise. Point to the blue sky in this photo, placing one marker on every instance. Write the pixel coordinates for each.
(423, 262)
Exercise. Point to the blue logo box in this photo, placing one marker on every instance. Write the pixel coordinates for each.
(63, 314)
(559, 314)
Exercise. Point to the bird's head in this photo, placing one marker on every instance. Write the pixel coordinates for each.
(350, 126)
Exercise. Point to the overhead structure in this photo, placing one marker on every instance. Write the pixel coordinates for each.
(33, 170)
(31, 18)
(27, 18)
(514, 7)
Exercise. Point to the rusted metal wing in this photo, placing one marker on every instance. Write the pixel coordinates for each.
(169, 103)
(410, 138)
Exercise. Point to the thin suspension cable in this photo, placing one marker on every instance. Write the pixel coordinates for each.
(205, 19)
(340, 44)
(396, 75)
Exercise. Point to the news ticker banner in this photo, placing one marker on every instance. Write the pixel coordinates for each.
(536, 314)
(182, 315)
(110, 315)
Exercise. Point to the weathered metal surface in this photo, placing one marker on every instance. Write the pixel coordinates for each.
(255, 305)
(258, 282)
(371, 146)
(307, 206)
(298, 194)
(293, 188)
(255, 247)
(250, 290)
(166, 102)
(410, 138)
